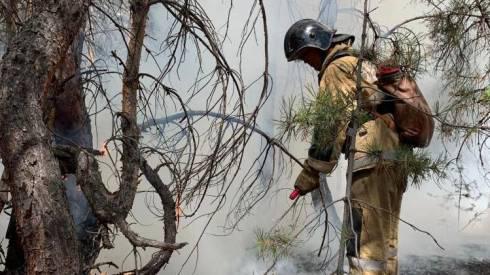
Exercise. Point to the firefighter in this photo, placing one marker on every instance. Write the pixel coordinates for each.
(376, 193)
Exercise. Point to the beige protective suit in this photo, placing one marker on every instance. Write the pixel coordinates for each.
(378, 185)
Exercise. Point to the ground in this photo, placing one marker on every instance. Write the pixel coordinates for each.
(417, 265)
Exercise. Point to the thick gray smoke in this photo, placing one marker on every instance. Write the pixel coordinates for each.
(237, 253)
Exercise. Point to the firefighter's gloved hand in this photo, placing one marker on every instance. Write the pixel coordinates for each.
(309, 178)
(307, 181)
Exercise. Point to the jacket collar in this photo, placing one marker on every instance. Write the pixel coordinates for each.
(333, 54)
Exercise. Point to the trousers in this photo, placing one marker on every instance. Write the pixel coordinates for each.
(372, 244)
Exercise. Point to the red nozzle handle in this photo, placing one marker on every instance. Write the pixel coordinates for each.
(294, 195)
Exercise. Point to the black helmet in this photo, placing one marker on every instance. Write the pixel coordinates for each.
(307, 33)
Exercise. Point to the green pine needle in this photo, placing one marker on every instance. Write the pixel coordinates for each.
(318, 116)
(416, 164)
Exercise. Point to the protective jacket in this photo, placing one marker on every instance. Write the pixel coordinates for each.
(338, 77)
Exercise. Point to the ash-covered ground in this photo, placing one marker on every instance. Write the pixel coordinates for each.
(473, 260)
(417, 265)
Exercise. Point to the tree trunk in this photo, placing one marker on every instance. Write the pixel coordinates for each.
(71, 126)
(43, 222)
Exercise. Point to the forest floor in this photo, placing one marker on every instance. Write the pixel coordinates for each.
(468, 259)
(470, 262)
(418, 265)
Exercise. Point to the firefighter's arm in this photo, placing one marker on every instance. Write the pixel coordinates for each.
(309, 178)
(337, 81)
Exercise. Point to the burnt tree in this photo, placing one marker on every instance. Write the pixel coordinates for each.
(50, 166)
(43, 221)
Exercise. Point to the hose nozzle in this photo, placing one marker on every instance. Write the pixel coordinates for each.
(294, 195)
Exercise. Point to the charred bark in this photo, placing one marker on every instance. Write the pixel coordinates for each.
(91, 183)
(130, 156)
(71, 126)
(161, 258)
(43, 222)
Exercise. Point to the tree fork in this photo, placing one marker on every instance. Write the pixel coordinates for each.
(111, 207)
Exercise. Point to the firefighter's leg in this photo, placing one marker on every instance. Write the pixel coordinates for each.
(372, 199)
(396, 199)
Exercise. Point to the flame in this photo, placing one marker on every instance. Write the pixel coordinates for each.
(104, 151)
(178, 210)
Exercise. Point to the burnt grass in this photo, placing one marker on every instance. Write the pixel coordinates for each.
(469, 259)
(309, 264)
(418, 265)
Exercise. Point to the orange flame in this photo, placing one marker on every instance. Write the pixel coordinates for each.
(104, 151)
(178, 210)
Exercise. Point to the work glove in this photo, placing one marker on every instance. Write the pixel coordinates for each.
(309, 178)
(307, 181)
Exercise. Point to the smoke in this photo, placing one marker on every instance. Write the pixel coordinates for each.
(300, 263)
(236, 253)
